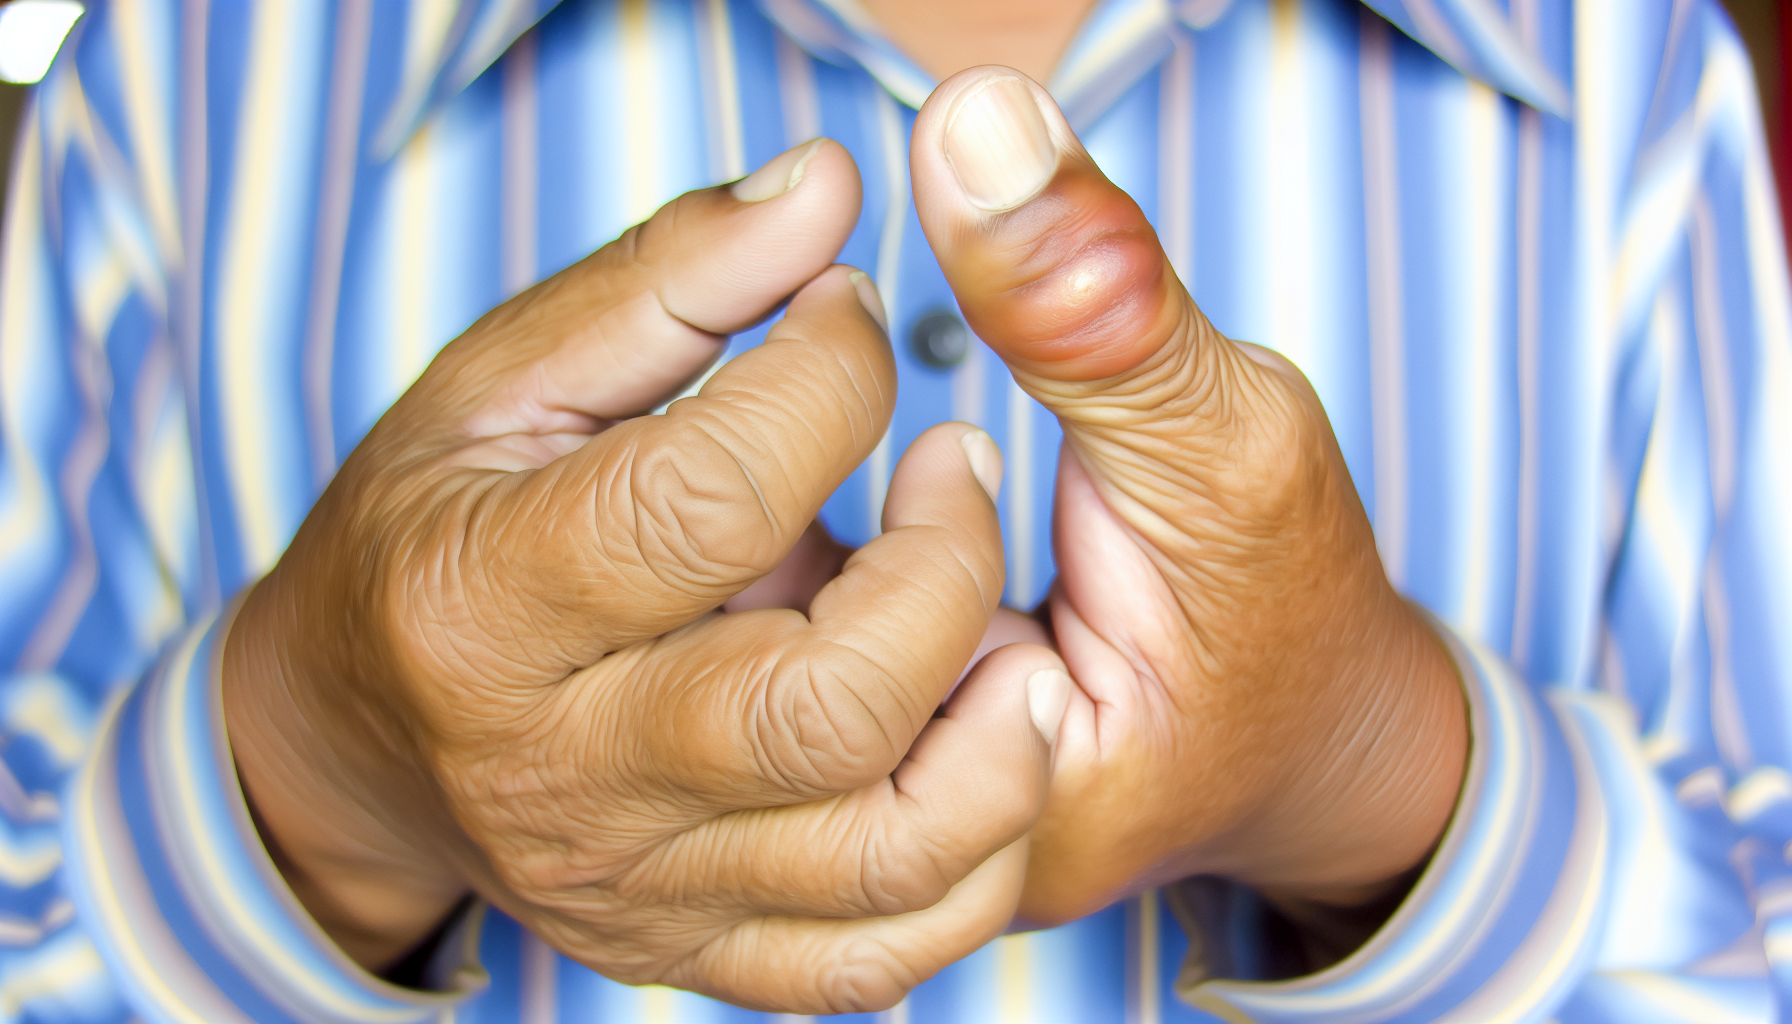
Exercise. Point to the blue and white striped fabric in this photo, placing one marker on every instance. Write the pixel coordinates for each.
(1527, 251)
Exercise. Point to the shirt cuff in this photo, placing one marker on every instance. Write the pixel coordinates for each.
(1503, 921)
(170, 877)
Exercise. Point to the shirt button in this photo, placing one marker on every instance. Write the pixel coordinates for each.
(940, 339)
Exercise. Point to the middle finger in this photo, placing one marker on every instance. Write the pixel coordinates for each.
(975, 780)
(793, 709)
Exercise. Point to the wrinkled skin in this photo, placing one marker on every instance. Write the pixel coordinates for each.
(494, 657)
(493, 660)
(1255, 700)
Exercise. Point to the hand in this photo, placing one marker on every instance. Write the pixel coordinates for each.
(492, 658)
(1255, 700)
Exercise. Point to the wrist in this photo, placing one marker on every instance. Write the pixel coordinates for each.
(344, 821)
(1367, 794)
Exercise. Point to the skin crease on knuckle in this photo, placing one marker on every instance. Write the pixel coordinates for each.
(1180, 392)
(814, 732)
(928, 602)
(807, 861)
(691, 515)
(755, 967)
(712, 461)
(752, 710)
(704, 710)
(902, 870)
(864, 983)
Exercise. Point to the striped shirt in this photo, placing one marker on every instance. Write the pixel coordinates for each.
(1526, 250)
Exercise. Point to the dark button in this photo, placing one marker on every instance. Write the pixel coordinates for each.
(940, 339)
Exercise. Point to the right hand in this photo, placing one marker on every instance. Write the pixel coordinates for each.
(492, 658)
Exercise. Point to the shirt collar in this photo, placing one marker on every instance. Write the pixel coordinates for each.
(1484, 43)
(1124, 39)
(448, 43)
(1121, 41)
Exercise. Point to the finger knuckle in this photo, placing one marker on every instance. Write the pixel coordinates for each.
(441, 618)
(534, 876)
(819, 734)
(1110, 287)
(864, 978)
(414, 600)
(906, 875)
(1081, 273)
(702, 519)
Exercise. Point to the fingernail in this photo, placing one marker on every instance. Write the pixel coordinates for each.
(1048, 694)
(869, 297)
(781, 174)
(985, 458)
(999, 146)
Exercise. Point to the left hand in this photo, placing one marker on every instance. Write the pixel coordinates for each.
(1255, 700)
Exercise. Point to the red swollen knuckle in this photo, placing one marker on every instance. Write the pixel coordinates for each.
(1076, 278)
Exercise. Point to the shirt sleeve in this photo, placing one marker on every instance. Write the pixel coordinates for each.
(1619, 852)
(133, 885)
(179, 893)
(90, 583)
(1504, 915)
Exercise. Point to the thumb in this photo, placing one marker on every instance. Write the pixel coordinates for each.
(1055, 267)
(1058, 271)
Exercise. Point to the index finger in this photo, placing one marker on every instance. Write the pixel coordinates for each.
(765, 709)
(660, 519)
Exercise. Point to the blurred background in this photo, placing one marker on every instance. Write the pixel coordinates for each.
(32, 30)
